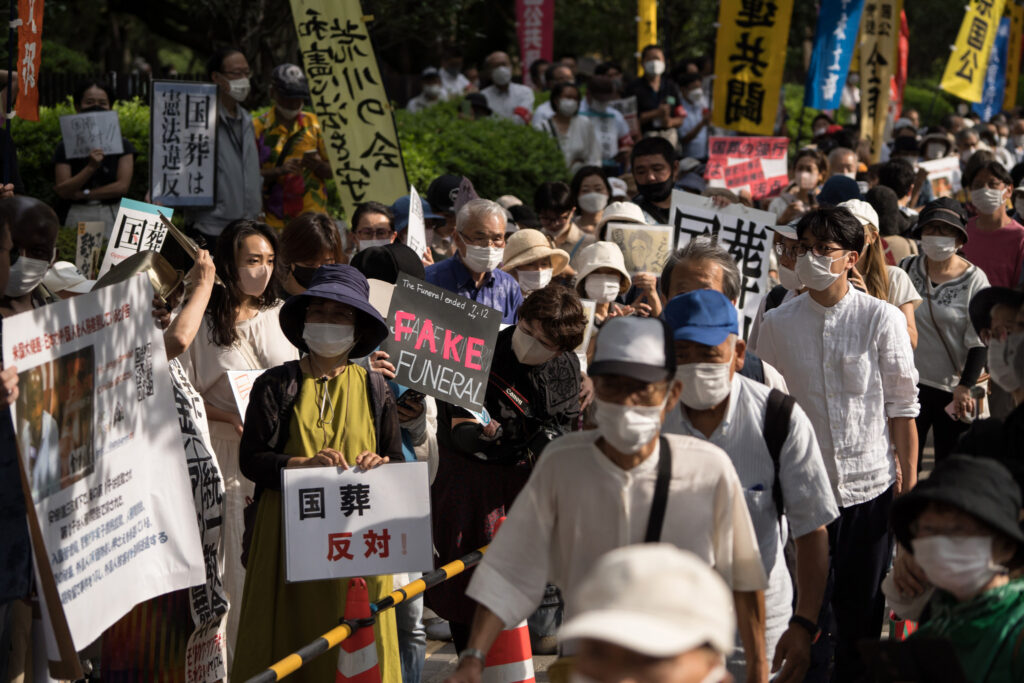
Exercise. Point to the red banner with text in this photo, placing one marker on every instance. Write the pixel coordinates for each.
(535, 26)
(30, 49)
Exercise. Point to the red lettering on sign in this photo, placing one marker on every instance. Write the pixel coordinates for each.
(401, 318)
(449, 349)
(473, 351)
(426, 334)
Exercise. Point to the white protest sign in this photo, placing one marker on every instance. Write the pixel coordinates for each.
(88, 250)
(628, 108)
(944, 175)
(137, 228)
(416, 233)
(746, 233)
(589, 310)
(341, 523)
(645, 248)
(183, 156)
(241, 382)
(100, 442)
(82, 133)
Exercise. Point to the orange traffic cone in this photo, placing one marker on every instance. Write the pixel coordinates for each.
(357, 659)
(510, 659)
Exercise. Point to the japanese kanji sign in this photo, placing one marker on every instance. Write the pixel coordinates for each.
(441, 343)
(348, 96)
(879, 31)
(535, 28)
(745, 232)
(416, 232)
(748, 163)
(82, 133)
(834, 39)
(89, 247)
(752, 34)
(30, 52)
(965, 71)
(1016, 13)
(995, 76)
(340, 523)
(183, 158)
(241, 382)
(137, 228)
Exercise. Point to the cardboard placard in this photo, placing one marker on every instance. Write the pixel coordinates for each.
(82, 133)
(755, 164)
(645, 248)
(416, 231)
(138, 227)
(183, 128)
(241, 385)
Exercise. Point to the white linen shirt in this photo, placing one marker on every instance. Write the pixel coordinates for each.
(504, 104)
(578, 505)
(851, 367)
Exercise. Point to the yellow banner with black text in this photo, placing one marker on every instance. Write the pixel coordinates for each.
(965, 71)
(879, 33)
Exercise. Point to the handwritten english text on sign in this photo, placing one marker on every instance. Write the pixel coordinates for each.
(183, 121)
(82, 133)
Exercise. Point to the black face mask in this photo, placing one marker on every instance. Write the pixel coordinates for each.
(656, 192)
(303, 275)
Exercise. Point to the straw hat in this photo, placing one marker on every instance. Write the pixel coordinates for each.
(602, 255)
(527, 246)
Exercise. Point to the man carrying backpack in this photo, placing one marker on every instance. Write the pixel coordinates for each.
(772, 445)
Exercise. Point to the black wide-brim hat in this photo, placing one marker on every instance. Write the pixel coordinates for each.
(343, 284)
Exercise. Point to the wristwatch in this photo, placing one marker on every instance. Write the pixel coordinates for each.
(807, 625)
(475, 654)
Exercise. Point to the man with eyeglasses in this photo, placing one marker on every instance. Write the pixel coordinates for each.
(555, 207)
(473, 270)
(239, 183)
(847, 359)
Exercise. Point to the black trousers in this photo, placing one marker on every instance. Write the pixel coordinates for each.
(860, 549)
(933, 416)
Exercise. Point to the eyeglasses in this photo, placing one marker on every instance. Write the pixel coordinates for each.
(782, 250)
(237, 74)
(483, 240)
(818, 249)
(373, 233)
(548, 219)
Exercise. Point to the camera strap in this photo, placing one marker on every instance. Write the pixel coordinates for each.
(516, 399)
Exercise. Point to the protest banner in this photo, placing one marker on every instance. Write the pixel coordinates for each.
(441, 343)
(992, 93)
(646, 28)
(748, 72)
(627, 107)
(834, 40)
(964, 75)
(183, 158)
(349, 99)
(117, 529)
(89, 247)
(758, 165)
(1013, 53)
(138, 227)
(899, 78)
(745, 232)
(241, 386)
(879, 29)
(416, 231)
(340, 523)
(82, 133)
(30, 52)
(535, 29)
(645, 248)
(944, 175)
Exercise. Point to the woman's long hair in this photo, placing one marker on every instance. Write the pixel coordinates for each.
(872, 268)
(224, 301)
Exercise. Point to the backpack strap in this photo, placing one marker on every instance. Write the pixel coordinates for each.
(777, 416)
(376, 385)
(774, 297)
(657, 519)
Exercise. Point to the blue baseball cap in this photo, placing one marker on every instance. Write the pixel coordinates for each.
(704, 316)
(400, 209)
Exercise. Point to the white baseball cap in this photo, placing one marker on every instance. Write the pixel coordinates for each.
(863, 212)
(64, 276)
(620, 212)
(634, 347)
(788, 229)
(654, 599)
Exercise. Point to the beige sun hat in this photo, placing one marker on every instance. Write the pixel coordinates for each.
(602, 255)
(529, 245)
(620, 212)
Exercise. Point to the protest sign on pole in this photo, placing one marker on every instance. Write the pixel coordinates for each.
(995, 76)
(879, 29)
(138, 227)
(1013, 54)
(645, 248)
(627, 107)
(943, 175)
(835, 37)
(183, 157)
(95, 387)
(745, 232)
(755, 164)
(30, 52)
(441, 343)
(82, 133)
(964, 75)
(89, 247)
(899, 78)
(340, 523)
(349, 99)
(416, 231)
(748, 71)
(646, 28)
(241, 382)
(535, 28)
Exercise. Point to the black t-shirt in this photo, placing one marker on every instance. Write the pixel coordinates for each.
(104, 175)
(647, 99)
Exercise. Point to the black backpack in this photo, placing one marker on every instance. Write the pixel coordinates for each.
(777, 416)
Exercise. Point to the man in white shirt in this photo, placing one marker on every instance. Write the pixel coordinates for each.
(847, 357)
(453, 81)
(556, 73)
(772, 445)
(432, 93)
(594, 491)
(508, 100)
(609, 123)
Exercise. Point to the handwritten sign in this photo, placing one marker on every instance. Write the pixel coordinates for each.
(755, 164)
(879, 29)
(241, 382)
(138, 227)
(441, 343)
(646, 248)
(82, 133)
(944, 176)
(30, 53)
(89, 247)
(416, 235)
(183, 122)
(340, 523)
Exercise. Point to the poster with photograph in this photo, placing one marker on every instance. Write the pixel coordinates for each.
(944, 176)
(645, 248)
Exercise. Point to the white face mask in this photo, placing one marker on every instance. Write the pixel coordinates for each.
(695, 95)
(602, 288)
(239, 89)
(529, 350)
(432, 91)
(966, 155)
(369, 244)
(806, 180)
(789, 279)
(568, 107)
(705, 385)
(329, 340)
(26, 274)
(532, 280)
(655, 67)
(852, 175)
(987, 200)
(820, 130)
(287, 113)
(960, 565)
(815, 272)
(597, 107)
(628, 428)
(592, 202)
(483, 259)
(253, 280)
(938, 248)
(501, 76)
(934, 150)
(1002, 355)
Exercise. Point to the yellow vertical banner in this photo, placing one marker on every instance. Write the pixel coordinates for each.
(646, 28)
(1016, 13)
(965, 71)
(750, 55)
(879, 30)
(348, 96)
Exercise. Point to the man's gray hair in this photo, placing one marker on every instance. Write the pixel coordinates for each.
(705, 249)
(478, 210)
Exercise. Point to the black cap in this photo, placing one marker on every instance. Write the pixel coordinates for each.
(478, 101)
(944, 210)
(979, 310)
(386, 262)
(837, 190)
(289, 81)
(443, 192)
(524, 217)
